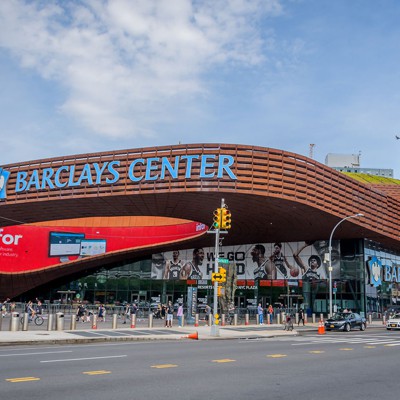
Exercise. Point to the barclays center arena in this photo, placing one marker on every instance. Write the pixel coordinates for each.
(137, 224)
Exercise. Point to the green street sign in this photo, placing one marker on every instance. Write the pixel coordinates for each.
(223, 260)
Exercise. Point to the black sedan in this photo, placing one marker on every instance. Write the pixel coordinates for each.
(345, 322)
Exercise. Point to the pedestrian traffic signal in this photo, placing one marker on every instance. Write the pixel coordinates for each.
(217, 218)
(226, 219)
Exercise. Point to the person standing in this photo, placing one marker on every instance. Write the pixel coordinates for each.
(179, 314)
(301, 316)
(208, 315)
(260, 311)
(271, 313)
(170, 314)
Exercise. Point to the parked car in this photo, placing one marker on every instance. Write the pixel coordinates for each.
(393, 322)
(345, 322)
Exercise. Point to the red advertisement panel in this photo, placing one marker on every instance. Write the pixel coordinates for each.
(28, 248)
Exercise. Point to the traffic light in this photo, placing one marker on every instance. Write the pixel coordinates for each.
(226, 219)
(217, 218)
(222, 273)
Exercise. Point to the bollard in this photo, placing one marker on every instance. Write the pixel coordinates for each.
(370, 319)
(72, 326)
(59, 321)
(257, 319)
(183, 320)
(305, 319)
(268, 319)
(25, 322)
(114, 321)
(133, 320)
(50, 322)
(283, 317)
(14, 321)
(313, 318)
(223, 320)
(321, 317)
(278, 318)
(94, 322)
(246, 319)
(384, 320)
(296, 318)
(235, 319)
(150, 319)
(196, 320)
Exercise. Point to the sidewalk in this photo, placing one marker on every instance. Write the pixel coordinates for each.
(43, 336)
(142, 334)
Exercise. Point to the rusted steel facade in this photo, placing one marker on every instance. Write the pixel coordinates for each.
(275, 196)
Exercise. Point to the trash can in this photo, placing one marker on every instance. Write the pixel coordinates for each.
(59, 321)
(14, 321)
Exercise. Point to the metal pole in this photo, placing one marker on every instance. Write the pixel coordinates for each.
(215, 328)
(330, 257)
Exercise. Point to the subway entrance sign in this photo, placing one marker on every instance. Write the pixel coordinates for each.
(223, 260)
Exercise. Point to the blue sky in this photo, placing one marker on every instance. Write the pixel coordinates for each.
(83, 76)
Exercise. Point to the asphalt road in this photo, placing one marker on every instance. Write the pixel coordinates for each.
(356, 365)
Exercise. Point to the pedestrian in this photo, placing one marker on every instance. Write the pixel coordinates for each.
(271, 313)
(179, 314)
(301, 317)
(126, 312)
(80, 313)
(260, 312)
(170, 314)
(102, 313)
(208, 315)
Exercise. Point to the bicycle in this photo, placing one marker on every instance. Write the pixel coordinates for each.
(37, 319)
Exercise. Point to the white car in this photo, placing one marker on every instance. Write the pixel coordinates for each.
(393, 322)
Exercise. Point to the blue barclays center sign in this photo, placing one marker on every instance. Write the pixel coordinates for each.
(155, 169)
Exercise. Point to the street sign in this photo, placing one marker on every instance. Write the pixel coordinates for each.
(223, 260)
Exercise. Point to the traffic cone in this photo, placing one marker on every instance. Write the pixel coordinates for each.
(194, 336)
(321, 328)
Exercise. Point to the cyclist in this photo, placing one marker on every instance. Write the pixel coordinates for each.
(29, 310)
(39, 308)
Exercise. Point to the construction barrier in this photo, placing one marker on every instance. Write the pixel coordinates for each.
(321, 327)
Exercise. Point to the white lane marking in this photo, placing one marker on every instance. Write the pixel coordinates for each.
(82, 359)
(35, 354)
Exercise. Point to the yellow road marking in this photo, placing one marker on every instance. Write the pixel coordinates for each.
(101, 372)
(276, 355)
(346, 349)
(24, 379)
(316, 351)
(224, 360)
(164, 366)
(369, 347)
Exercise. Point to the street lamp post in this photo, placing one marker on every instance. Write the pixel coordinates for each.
(330, 257)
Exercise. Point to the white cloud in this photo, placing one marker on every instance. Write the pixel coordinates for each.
(124, 63)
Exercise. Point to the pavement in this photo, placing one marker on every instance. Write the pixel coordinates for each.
(89, 335)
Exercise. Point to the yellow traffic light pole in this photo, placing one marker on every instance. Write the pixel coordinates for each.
(222, 219)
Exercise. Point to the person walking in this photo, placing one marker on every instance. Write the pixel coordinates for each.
(179, 314)
(301, 316)
(260, 312)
